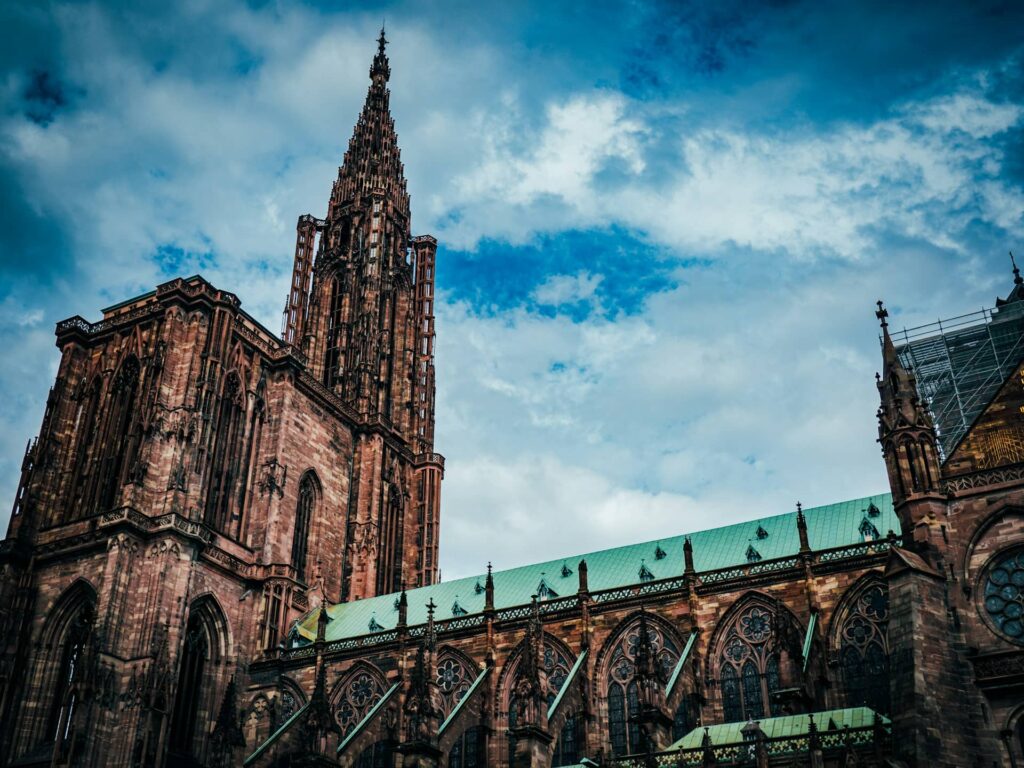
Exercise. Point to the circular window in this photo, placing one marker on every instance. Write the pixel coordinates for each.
(1004, 595)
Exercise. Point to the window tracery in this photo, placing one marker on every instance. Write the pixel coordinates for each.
(864, 649)
(357, 696)
(1004, 595)
(749, 665)
(454, 677)
(623, 699)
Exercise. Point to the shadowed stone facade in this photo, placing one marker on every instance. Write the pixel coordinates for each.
(223, 551)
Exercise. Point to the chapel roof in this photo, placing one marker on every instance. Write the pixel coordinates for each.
(828, 527)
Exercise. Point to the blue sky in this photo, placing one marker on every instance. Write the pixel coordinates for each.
(663, 226)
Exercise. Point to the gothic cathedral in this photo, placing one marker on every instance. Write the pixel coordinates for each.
(223, 552)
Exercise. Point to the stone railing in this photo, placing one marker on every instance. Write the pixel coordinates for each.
(831, 743)
(984, 478)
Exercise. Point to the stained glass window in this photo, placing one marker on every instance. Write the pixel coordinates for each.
(357, 696)
(864, 649)
(468, 751)
(622, 696)
(749, 665)
(753, 696)
(378, 755)
(1004, 595)
(731, 700)
(681, 721)
(566, 748)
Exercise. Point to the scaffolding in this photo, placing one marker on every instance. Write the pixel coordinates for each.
(961, 363)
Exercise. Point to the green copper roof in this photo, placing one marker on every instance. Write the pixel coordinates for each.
(782, 727)
(830, 526)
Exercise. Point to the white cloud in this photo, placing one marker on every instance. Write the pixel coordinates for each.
(802, 191)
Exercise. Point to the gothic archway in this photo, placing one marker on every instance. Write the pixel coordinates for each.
(64, 664)
(203, 646)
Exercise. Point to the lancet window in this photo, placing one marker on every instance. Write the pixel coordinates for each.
(119, 442)
(199, 654)
(334, 364)
(864, 649)
(468, 751)
(389, 567)
(308, 494)
(226, 456)
(70, 654)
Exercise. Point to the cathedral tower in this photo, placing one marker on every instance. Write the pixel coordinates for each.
(199, 484)
(361, 310)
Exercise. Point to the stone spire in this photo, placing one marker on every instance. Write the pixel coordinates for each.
(373, 162)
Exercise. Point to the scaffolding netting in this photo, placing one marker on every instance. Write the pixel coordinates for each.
(960, 364)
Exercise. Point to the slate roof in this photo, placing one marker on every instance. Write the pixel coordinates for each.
(828, 527)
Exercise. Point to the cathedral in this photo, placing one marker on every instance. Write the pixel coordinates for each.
(223, 552)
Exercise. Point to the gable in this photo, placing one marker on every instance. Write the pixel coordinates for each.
(996, 438)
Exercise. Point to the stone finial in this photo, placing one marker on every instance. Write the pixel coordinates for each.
(581, 573)
(322, 620)
(403, 609)
(688, 556)
(489, 591)
(801, 527)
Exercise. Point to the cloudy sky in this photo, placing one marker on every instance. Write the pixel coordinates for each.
(663, 227)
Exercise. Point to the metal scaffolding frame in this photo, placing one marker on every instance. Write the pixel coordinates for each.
(960, 364)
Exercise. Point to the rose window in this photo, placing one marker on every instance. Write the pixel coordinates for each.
(1004, 595)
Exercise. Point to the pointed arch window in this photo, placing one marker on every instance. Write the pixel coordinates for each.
(86, 433)
(623, 701)
(468, 751)
(226, 456)
(864, 650)
(567, 749)
(309, 492)
(71, 651)
(748, 665)
(334, 363)
(389, 562)
(198, 650)
(119, 439)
